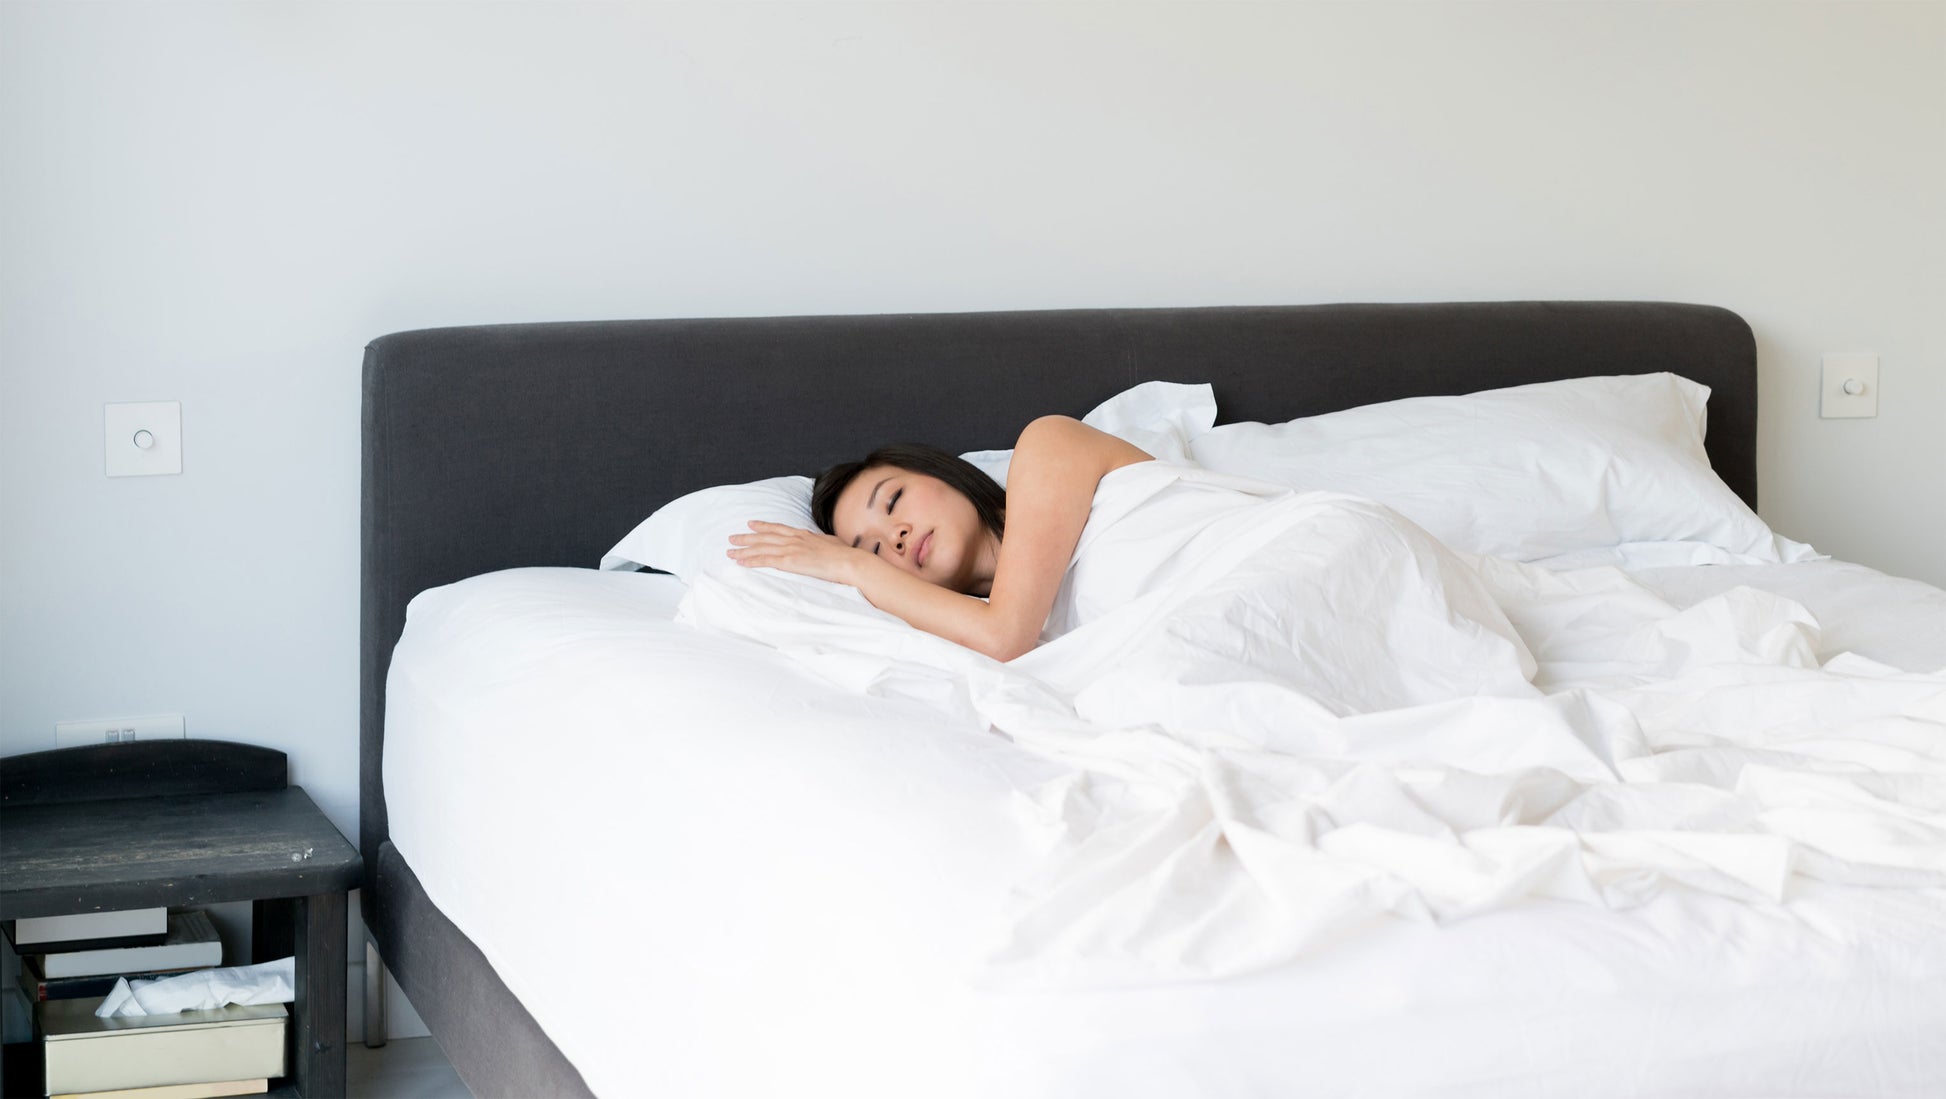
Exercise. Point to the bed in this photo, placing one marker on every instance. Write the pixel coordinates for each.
(731, 876)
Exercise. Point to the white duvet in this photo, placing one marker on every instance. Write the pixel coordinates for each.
(1281, 715)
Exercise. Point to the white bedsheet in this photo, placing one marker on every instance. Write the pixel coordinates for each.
(1290, 713)
(745, 881)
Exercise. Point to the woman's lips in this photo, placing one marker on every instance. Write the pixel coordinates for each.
(925, 547)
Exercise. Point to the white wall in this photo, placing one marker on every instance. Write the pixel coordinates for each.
(219, 203)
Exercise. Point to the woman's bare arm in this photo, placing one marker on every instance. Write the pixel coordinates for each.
(1051, 484)
(1057, 465)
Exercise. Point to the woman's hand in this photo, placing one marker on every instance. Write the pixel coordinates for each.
(805, 552)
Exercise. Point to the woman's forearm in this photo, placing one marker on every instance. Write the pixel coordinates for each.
(998, 632)
(1002, 629)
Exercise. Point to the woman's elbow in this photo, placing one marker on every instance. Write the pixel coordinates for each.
(1015, 649)
(1004, 644)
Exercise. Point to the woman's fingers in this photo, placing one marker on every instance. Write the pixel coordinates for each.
(774, 530)
(775, 533)
(793, 549)
(767, 543)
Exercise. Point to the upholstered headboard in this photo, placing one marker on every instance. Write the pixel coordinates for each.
(542, 444)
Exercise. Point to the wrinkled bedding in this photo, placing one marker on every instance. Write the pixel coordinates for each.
(728, 853)
(1279, 715)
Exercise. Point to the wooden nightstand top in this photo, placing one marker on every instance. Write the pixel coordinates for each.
(189, 843)
(191, 822)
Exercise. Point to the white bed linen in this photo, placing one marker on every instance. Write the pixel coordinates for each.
(792, 890)
(1293, 712)
(1884, 618)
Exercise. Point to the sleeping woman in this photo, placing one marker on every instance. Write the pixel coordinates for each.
(919, 531)
(1137, 573)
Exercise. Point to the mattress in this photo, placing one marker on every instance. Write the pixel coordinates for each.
(787, 889)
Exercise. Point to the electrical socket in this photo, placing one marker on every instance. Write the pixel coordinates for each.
(118, 730)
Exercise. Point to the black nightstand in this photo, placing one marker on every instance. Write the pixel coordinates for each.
(184, 823)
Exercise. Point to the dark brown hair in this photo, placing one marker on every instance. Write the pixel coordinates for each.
(988, 498)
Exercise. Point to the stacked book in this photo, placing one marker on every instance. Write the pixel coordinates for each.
(68, 964)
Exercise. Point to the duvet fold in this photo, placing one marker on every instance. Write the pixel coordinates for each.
(1284, 716)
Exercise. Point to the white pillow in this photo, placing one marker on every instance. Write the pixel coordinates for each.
(993, 463)
(1528, 472)
(1163, 418)
(691, 535)
(1160, 417)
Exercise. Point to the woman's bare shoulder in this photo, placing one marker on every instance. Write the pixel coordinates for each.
(1066, 441)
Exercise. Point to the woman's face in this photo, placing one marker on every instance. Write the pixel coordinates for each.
(919, 524)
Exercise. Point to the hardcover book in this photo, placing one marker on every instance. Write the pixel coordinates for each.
(90, 930)
(191, 943)
(39, 987)
(176, 1091)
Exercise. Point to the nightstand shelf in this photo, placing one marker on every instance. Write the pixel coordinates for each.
(184, 823)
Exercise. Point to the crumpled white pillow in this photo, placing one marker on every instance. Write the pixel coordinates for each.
(1529, 472)
(690, 535)
(1163, 418)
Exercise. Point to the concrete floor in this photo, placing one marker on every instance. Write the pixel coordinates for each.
(403, 1068)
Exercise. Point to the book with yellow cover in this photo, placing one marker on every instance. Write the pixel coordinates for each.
(176, 1091)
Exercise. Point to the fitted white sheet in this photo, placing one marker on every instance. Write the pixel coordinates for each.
(793, 889)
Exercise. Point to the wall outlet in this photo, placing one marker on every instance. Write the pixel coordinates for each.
(118, 730)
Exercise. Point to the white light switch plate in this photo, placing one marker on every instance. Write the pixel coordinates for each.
(1860, 368)
(158, 424)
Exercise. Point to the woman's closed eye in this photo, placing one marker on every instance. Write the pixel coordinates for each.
(890, 503)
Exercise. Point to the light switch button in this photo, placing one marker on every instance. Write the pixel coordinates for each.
(144, 439)
(1850, 385)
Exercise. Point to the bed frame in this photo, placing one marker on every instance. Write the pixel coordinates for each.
(495, 447)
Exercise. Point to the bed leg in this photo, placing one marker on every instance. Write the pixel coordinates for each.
(374, 997)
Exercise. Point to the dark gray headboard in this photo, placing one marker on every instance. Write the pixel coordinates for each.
(542, 444)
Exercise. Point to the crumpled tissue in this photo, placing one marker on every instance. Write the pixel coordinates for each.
(267, 983)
